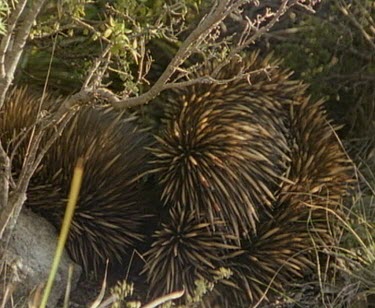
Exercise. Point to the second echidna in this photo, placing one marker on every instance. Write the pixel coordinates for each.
(303, 225)
(259, 155)
(111, 213)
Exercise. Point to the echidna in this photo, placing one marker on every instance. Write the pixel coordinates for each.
(225, 148)
(283, 251)
(111, 214)
(304, 222)
(259, 155)
(184, 251)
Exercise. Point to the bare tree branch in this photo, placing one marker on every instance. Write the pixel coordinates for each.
(12, 44)
(212, 80)
(11, 47)
(283, 8)
(4, 45)
(58, 120)
(4, 177)
(211, 20)
(95, 74)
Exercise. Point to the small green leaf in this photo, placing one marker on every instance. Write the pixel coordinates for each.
(107, 33)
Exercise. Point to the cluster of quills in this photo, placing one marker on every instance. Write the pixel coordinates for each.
(250, 174)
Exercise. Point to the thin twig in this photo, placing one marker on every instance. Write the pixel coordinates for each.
(344, 9)
(212, 80)
(164, 299)
(91, 77)
(283, 8)
(4, 177)
(91, 28)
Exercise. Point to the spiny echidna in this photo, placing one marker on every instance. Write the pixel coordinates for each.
(286, 246)
(185, 250)
(281, 253)
(110, 215)
(262, 157)
(225, 148)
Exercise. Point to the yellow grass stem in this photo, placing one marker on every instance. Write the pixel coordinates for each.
(73, 197)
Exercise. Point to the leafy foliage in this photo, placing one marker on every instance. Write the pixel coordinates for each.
(72, 34)
(4, 9)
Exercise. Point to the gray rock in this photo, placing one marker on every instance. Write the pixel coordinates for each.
(28, 257)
